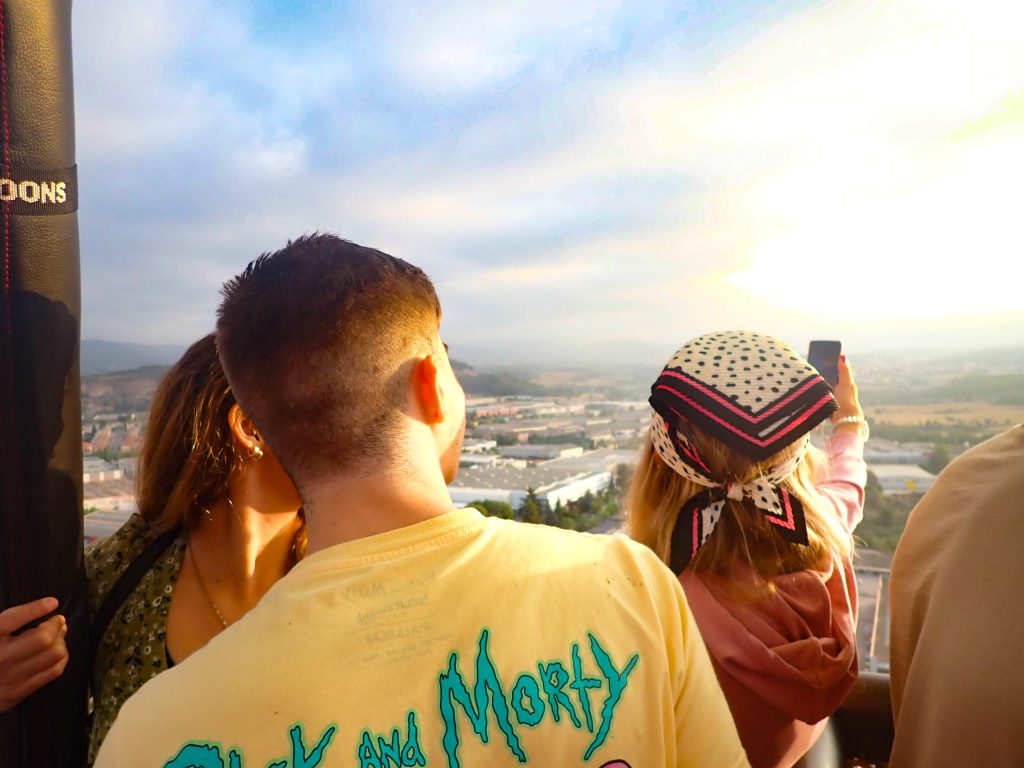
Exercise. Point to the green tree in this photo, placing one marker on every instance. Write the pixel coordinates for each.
(530, 510)
(940, 457)
(494, 508)
(621, 476)
(565, 515)
(884, 516)
(607, 503)
(873, 488)
(587, 503)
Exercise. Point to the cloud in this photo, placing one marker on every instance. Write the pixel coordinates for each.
(565, 172)
(463, 46)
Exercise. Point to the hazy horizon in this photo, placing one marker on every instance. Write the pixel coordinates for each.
(570, 175)
(627, 355)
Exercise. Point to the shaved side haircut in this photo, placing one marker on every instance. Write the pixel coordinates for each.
(318, 340)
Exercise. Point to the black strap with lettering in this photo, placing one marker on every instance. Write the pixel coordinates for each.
(40, 193)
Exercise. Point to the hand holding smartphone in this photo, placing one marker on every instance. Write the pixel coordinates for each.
(824, 356)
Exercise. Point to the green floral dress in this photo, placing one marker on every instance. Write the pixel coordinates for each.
(132, 650)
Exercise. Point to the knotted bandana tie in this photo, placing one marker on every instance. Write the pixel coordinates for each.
(700, 514)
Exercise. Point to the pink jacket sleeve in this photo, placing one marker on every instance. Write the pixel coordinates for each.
(847, 474)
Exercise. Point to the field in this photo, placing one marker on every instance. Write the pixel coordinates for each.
(950, 413)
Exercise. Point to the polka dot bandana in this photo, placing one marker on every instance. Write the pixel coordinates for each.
(756, 395)
(750, 391)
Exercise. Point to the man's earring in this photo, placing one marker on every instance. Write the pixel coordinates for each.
(255, 452)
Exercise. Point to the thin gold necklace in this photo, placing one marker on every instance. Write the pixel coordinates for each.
(202, 586)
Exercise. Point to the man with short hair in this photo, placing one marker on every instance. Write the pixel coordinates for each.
(414, 633)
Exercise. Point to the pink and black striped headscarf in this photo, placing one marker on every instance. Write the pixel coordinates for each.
(755, 394)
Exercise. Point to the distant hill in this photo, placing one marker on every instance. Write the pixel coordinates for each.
(617, 356)
(988, 359)
(612, 354)
(1004, 357)
(100, 356)
(131, 390)
(1000, 389)
(121, 391)
(498, 383)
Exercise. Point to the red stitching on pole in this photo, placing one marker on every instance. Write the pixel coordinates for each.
(8, 330)
(7, 174)
(9, 457)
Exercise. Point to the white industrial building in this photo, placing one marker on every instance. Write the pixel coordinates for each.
(480, 460)
(511, 484)
(469, 445)
(542, 452)
(902, 478)
(97, 470)
(880, 451)
(108, 494)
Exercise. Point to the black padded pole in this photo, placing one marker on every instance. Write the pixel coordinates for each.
(40, 418)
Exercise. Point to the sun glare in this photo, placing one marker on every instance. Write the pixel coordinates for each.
(926, 237)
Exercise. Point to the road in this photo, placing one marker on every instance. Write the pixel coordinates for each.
(615, 524)
(99, 525)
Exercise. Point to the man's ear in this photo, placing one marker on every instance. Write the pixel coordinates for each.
(243, 430)
(428, 389)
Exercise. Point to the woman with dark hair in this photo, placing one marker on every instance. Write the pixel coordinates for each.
(758, 525)
(218, 524)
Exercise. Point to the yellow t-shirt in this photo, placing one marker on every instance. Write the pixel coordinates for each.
(462, 641)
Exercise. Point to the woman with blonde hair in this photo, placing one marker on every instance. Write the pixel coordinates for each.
(758, 525)
(218, 524)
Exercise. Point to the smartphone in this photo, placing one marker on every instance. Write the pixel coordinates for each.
(824, 355)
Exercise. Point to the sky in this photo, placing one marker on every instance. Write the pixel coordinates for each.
(570, 174)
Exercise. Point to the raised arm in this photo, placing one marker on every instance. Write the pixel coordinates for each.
(847, 473)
